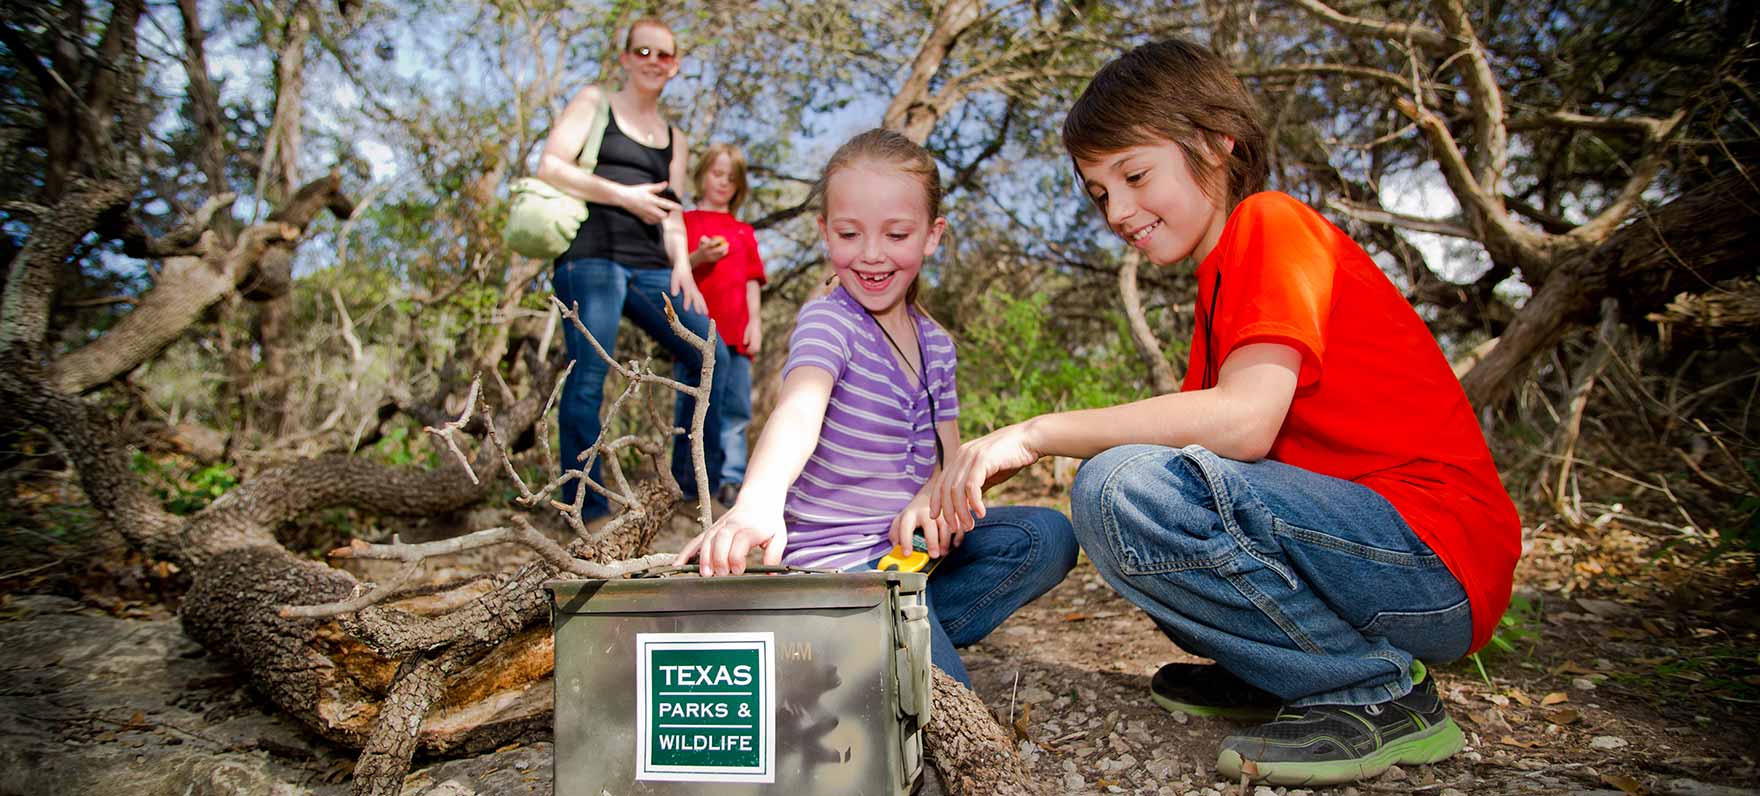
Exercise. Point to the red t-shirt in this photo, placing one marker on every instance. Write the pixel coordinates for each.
(1376, 402)
(723, 282)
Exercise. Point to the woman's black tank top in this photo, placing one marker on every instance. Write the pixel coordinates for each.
(611, 232)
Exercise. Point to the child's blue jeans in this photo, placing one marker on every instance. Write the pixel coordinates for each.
(735, 411)
(606, 291)
(1309, 587)
(1011, 556)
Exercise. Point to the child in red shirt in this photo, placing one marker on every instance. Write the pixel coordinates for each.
(729, 272)
(1316, 510)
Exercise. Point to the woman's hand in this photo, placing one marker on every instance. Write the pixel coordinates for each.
(976, 466)
(646, 202)
(941, 538)
(722, 549)
(685, 287)
(710, 249)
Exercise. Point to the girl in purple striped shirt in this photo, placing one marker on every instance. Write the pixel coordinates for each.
(868, 407)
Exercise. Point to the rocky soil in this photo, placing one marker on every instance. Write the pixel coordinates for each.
(1623, 680)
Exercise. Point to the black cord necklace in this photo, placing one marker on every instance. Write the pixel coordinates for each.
(1210, 337)
(922, 375)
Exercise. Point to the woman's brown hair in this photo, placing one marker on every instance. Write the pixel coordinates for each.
(629, 35)
(893, 149)
(737, 172)
(1177, 91)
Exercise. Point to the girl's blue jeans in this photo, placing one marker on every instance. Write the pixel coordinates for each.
(1310, 587)
(605, 291)
(1011, 556)
(735, 410)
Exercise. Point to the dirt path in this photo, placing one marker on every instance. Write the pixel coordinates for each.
(1601, 696)
(1635, 670)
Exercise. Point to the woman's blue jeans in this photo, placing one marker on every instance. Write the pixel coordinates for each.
(1009, 558)
(1307, 586)
(605, 291)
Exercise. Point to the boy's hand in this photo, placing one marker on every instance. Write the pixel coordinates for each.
(940, 537)
(754, 335)
(958, 493)
(722, 549)
(710, 249)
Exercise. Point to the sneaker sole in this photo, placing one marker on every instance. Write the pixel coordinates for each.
(1254, 715)
(1437, 743)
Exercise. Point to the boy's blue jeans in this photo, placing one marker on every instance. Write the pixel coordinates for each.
(1310, 587)
(606, 290)
(735, 410)
(1011, 556)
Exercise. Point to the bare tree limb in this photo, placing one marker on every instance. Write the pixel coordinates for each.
(1147, 345)
(1375, 215)
(1381, 29)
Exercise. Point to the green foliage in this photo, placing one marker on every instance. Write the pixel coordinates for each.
(1519, 627)
(1014, 364)
(184, 490)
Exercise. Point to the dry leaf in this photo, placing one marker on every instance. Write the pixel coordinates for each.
(1625, 783)
(1555, 698)
(1571, 667)
(1517, 695)
(1510, 740)
(1563, 716)
(1078, 616)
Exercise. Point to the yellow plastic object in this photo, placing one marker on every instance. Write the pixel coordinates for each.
(897, 559)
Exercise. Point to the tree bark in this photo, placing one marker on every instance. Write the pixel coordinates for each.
(911, 110)
(1147, 346)
(1703, 236)
(974, 754)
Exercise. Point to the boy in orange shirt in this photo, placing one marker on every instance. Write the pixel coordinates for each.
(1316, 510)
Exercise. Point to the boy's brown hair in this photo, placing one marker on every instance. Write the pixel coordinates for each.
(1177, 91)
(892, 148)
(736, 159)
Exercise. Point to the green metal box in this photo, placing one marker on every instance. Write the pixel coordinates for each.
(796, 683)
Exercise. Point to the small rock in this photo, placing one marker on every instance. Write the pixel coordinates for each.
(1450, 792)
(1582, 684)
(1264, 791)
(1607, 742)
(1034, 695)
(1073, 782)
(1394, 774)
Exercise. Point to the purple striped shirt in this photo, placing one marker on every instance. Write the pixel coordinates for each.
(877, 445)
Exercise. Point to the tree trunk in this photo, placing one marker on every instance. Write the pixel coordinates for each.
(1147, 345)
(1705, 235)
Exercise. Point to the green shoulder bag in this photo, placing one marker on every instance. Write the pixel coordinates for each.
(541, 219)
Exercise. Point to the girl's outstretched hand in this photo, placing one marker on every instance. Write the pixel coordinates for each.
(941, 538)
(958, 497)
(722, 549)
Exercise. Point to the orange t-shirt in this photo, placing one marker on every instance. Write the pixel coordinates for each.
(1376, 402)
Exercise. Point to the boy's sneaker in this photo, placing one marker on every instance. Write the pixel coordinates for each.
(726, 495)
(1206, 689)
(1332, 744)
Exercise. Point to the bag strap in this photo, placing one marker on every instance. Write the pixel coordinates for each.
(589, 156)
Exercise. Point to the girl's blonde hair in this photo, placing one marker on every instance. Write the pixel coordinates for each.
(1176, 91)
(736, 159)
(893, 149)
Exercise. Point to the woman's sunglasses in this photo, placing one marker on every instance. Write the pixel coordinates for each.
(646, 53)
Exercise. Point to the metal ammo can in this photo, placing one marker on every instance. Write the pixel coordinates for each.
(788, 681)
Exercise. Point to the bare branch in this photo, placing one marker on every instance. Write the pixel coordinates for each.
(1381, 29)
(521, 533)
(446, 431)
(1376, 215)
